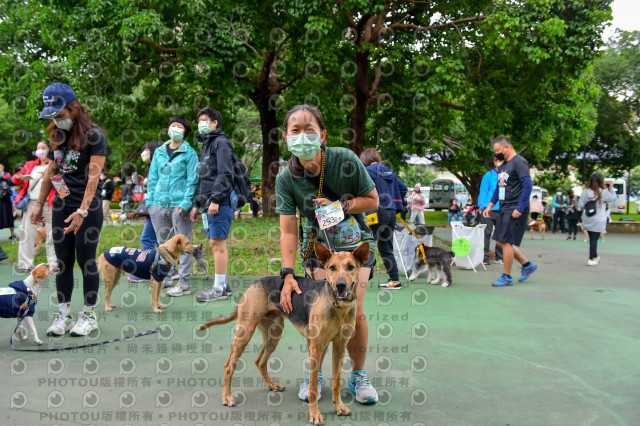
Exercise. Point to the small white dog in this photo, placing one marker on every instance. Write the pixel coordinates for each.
(435, 261)
(15, 298)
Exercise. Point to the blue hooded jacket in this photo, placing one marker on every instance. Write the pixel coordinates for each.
(391, 190)
(11, 299)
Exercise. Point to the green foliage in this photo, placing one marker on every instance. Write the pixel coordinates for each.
(552, 180)
(395, 75)
(411, 175)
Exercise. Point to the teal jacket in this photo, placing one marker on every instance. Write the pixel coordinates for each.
(173, 181)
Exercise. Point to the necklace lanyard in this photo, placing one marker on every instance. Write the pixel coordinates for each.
(312, 236)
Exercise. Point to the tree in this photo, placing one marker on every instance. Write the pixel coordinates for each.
(136, 65)
(616, 143)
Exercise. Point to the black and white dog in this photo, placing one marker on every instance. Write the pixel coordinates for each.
(434, 260)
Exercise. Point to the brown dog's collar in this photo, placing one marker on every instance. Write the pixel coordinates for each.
(164, 253)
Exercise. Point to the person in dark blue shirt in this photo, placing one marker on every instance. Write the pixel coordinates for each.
(513, 190)
(391, 191)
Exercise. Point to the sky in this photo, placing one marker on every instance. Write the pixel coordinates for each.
(626, 16)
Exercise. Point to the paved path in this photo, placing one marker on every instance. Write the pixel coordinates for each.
(561, 349)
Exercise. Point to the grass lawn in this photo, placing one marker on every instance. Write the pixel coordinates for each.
(252, 242)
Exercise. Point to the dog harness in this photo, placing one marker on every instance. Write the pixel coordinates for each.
(140, 263)
(14, 298)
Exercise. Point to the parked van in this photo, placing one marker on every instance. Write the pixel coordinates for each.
(620, 188)
(542, 193)
(441, 192)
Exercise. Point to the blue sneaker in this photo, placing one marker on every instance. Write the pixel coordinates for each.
(303, 393)
(359, 384)
(503, 281)
(527, 271)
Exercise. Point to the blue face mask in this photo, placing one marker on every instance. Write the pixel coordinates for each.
(304, 145)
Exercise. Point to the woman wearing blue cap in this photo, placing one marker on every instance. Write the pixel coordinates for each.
(79, 149)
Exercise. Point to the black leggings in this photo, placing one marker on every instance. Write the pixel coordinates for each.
(82, 245)
(573, 226)
(593, 244)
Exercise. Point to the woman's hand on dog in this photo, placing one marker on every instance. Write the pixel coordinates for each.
(290, 284)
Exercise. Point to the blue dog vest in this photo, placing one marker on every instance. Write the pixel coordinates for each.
(12, 298)
(139, 262)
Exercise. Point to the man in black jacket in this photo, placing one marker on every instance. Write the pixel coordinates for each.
(215, 196)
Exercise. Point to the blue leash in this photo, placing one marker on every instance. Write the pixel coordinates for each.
(72, 347)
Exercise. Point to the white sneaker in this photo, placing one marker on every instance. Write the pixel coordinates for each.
(359, 385)
(597, 259)
(592, 262)
(85, 325)
(61, 324)
(181, 289)
(303, 393)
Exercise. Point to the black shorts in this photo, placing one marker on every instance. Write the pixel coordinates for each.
(510, 230)
(534, 215)
(312, 263)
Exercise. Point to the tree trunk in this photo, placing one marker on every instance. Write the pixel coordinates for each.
(270, 150)
(359, 113)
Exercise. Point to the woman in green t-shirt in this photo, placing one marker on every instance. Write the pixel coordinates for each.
(344, 179)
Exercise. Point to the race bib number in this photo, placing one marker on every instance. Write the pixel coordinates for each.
(501, 192)
(329, 215)
(345, 234)
(61, 188)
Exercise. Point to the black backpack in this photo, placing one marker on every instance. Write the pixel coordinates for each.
(241, 182)
(5, 190)
(590, 208)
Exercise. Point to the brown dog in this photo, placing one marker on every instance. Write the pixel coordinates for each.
(324, 313)
(538, 226)
(41, 237)
(149, 264)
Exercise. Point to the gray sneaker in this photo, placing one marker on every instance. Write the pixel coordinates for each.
(167, 283)
(214, 294)
(181, 289)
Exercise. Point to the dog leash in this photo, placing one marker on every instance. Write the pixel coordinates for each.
(72, 347)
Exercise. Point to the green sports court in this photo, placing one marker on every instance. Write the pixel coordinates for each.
(560, 349)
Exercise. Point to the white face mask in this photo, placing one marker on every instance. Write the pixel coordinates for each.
(558, 193)
(304, 145)
(41, 153)
(203, 127)
(146, 155)
(176, 133)
(65, 124)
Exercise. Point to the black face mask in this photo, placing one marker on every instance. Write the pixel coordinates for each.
(500, 156)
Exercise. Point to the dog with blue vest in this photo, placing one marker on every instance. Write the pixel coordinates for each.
(21, 296)
(153, 265)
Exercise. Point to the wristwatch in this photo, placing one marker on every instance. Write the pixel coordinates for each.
(286, 271)
(83, 213)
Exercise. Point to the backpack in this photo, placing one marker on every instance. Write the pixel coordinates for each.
(241, 182)
(5, 190)
(590, 208)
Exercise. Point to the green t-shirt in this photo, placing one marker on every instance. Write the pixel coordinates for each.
(344, 173)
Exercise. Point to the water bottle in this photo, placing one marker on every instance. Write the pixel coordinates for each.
(205, 221)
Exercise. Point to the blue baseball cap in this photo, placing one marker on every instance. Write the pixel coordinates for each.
(55, 97)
